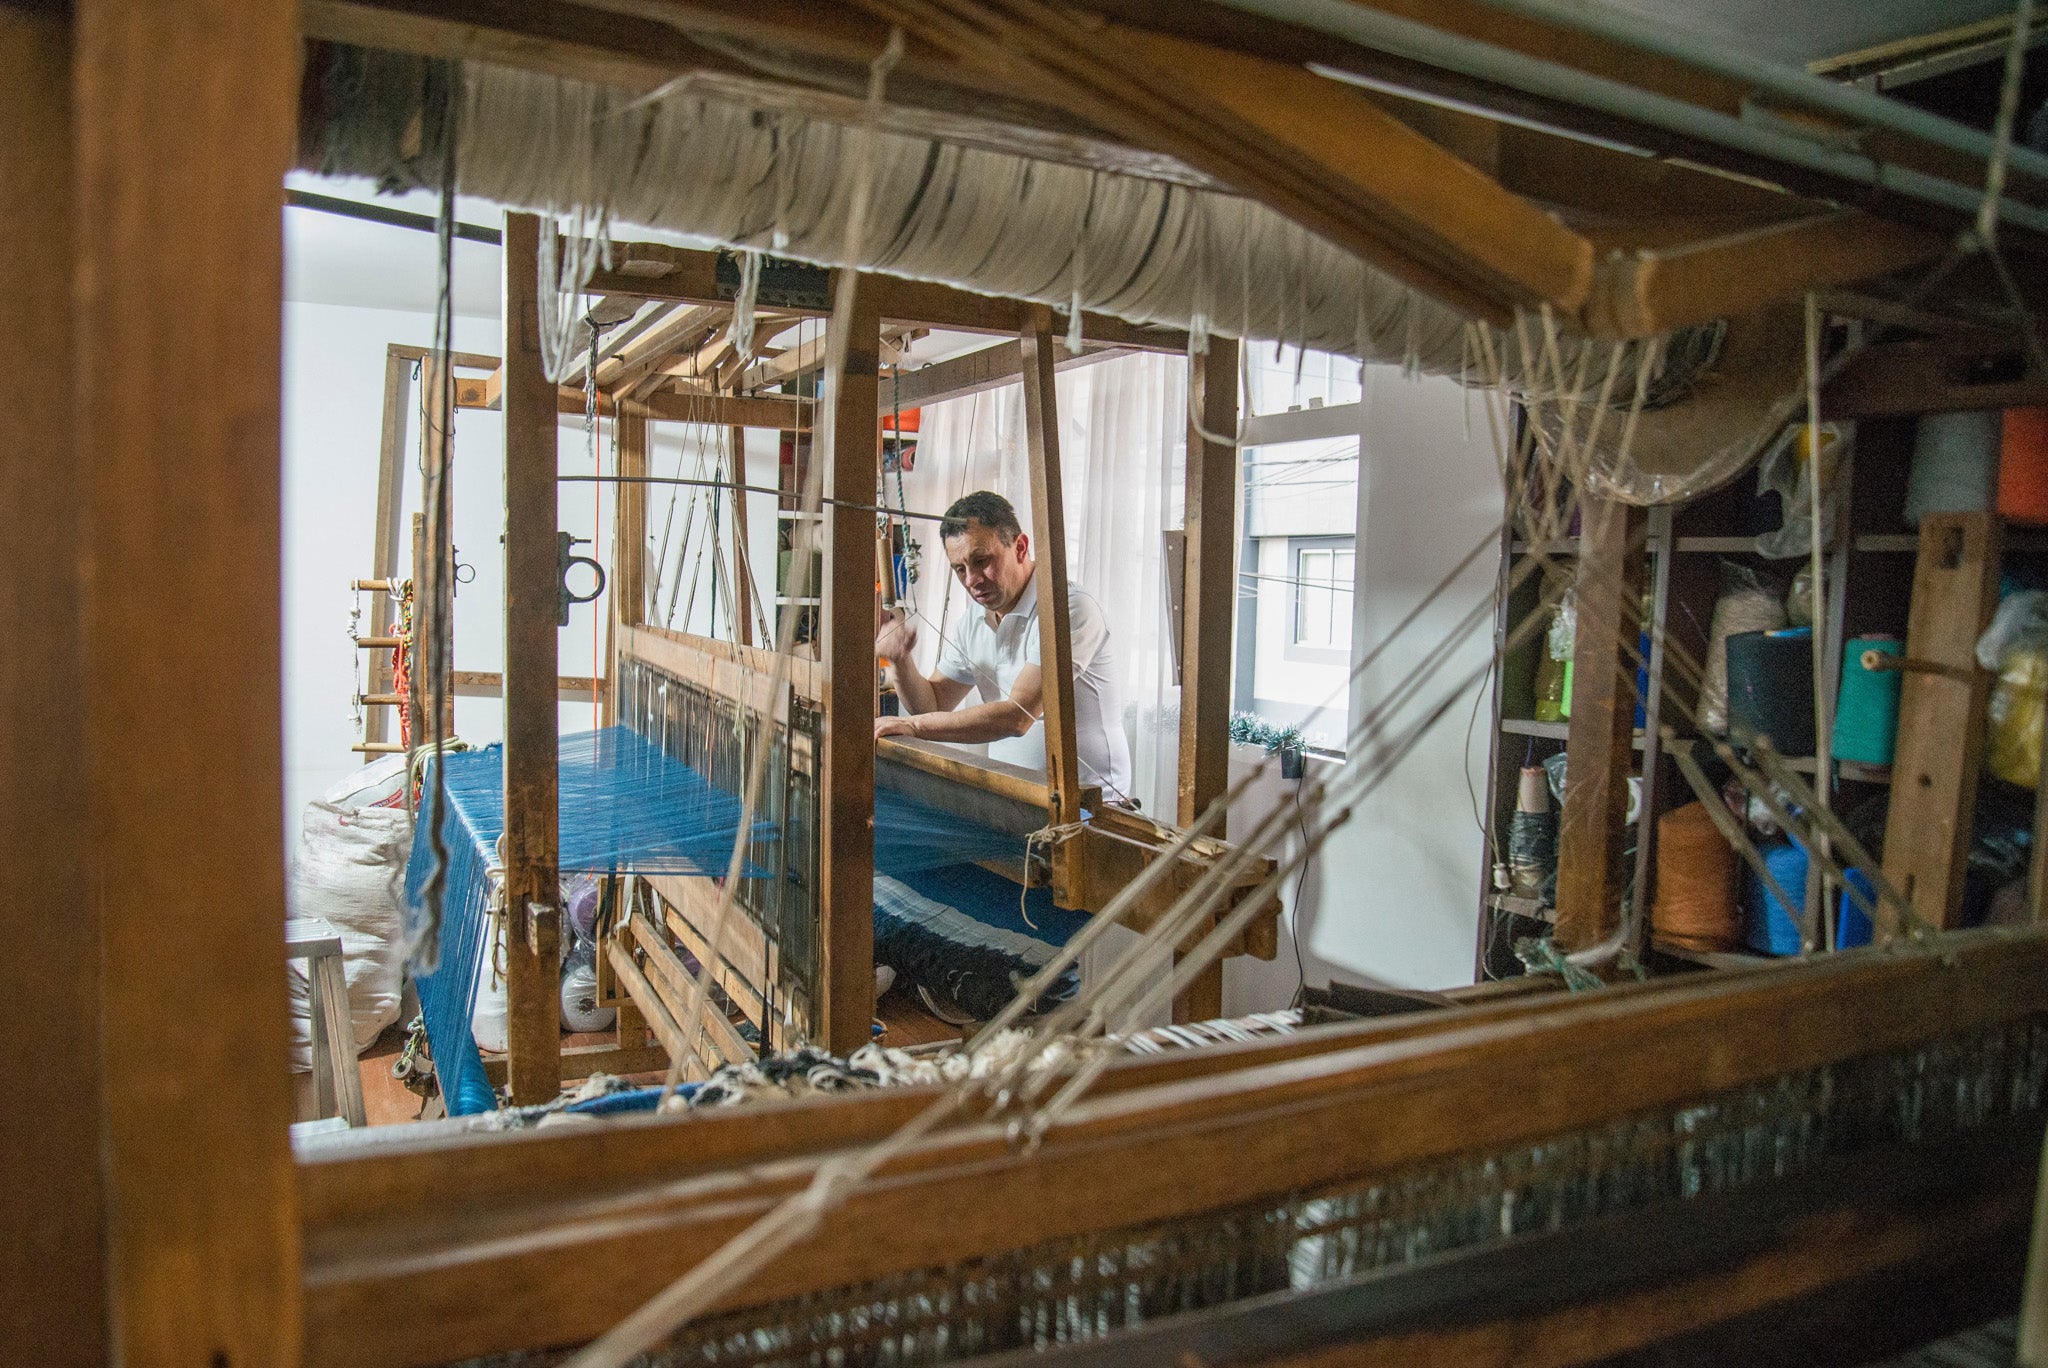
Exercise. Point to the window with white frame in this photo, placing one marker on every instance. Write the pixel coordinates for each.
(1322, 593)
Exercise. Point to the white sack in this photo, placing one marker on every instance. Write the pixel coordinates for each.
(350, 873)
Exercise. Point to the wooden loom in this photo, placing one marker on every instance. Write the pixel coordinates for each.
(170, 1220)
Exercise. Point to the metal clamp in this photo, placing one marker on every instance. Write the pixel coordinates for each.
(567, 560)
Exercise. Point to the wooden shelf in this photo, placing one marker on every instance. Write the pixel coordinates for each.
(1554, 731)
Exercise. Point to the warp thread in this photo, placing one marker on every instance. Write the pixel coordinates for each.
(704, 157)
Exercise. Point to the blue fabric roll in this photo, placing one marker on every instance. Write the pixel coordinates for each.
(958, 931)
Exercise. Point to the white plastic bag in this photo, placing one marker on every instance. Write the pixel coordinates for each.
(350, 865)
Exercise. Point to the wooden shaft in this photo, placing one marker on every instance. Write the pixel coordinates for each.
(183, 112)
(1941, 717)
(629, 547)
(532, 725)
(377, 643)
(1049, 547)
(390, 499)
(742, 566)
(52, 1261)
(1208, 601)
(1598, 742)
(846, 846)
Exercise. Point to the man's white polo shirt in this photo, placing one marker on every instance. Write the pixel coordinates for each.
(990, 658)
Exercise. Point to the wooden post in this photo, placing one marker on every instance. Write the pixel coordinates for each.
(1049, 546)
(384, 547)
(532, 721)
(742, 570)
(629, 547)
(846, 844)
(51, 1261)
(432, 608)
(1600, 759)
(1208, 598)
(1941, 717)
(183, 137)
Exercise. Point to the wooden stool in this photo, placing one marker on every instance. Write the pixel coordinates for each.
(337, 1083)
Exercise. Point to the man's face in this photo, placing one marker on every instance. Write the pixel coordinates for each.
(993, 573)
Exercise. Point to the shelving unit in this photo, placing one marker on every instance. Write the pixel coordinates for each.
(1869, 576)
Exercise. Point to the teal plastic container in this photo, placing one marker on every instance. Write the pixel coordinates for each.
(1867, 709)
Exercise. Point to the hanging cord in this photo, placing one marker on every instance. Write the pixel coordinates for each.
(426, 946)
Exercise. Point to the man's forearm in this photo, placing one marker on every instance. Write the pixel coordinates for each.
(983, 722)
(913, 690)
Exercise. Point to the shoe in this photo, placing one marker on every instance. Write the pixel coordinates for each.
(944, 1008)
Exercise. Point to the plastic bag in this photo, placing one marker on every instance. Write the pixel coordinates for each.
(580, 1011)
(1785, 471)
(351, 861)
(1749, 602)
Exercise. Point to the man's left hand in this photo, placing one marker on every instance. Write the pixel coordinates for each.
(895, 726)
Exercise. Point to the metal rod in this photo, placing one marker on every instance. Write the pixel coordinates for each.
(1421, 43)
(1815, 92)
(384, 214)
(751, 489)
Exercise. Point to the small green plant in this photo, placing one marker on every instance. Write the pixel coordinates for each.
(1250, 729)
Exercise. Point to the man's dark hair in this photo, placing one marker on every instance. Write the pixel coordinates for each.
(991, 510)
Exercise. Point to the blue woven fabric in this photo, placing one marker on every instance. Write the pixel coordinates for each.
(958, 930)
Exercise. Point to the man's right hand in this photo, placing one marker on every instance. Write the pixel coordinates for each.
(896, 638)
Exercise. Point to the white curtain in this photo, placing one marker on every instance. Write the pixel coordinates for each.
(1123, 448)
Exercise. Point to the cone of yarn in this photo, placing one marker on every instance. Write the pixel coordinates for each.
(1867, 709)
(1695, 907)
(2023, 466)
(1955, 465)
(1737, 610)
(1770, 688)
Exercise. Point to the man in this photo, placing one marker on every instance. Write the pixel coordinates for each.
(994, 654)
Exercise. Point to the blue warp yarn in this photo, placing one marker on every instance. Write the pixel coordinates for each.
(624, 805)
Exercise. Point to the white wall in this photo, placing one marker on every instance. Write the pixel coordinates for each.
(333, 422)
(1393, 896)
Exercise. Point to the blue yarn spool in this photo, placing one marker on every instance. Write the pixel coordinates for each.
(1768, 926)
(1770, 688)
(1955, 464)
(1852, 923)
(1867, 709)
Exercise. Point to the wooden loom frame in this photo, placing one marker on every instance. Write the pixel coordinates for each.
(169, 1221)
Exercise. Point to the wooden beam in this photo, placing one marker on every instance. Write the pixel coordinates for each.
(389, 512)
(434, 601)
(649, 270)
(51, 1208)
(1384, 192)
(1590, 877)
(846, 780)
(629, 546)
(532, 722)
(1208, 606)
(742, 565)
(989, 368)
(682, 328)
(1646, 292)
(183, 136)
(1941, 717)
(1948, 375)
(1258, 1128)
(1049, 547)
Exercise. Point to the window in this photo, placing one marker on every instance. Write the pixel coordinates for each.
(1322, 596)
